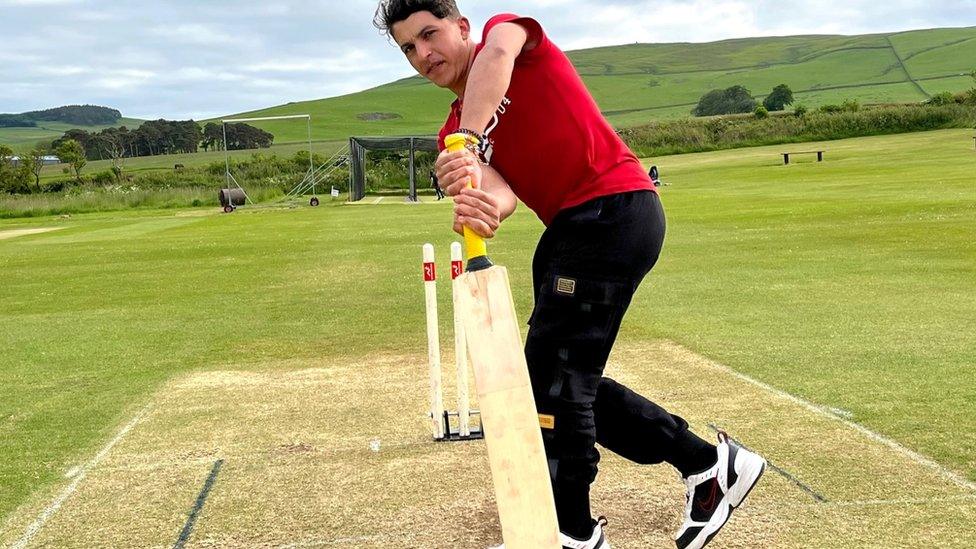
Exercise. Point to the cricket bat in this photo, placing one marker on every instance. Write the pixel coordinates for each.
(519, 470)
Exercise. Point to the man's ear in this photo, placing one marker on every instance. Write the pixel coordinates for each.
(465, 27)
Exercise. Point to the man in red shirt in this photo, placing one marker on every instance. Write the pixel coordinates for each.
(538, 136)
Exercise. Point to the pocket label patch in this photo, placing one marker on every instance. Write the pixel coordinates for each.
(565, 286)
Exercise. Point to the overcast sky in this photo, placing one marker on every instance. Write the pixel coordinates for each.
(201, 58)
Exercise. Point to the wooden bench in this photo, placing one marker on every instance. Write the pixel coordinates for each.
(786, 156)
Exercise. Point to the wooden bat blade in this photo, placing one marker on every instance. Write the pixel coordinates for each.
(519, 469)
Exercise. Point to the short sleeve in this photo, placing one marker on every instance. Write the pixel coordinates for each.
(532, 27)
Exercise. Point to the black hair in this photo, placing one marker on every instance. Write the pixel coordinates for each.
(390, 12)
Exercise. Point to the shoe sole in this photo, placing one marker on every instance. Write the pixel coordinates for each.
(710, 529)
(744, 476)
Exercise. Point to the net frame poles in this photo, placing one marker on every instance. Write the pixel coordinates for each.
(321, 173)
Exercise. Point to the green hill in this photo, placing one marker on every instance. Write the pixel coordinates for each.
(638, 83)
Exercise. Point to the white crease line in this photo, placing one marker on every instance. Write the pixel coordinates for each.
(918, 501)
(262, 454)
(53, 507)
(944, 472)
(378, 200)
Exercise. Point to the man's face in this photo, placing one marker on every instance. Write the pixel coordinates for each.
(436, 48)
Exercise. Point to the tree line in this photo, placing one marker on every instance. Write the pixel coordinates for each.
(157, 137)
(16, 121)
(240, 136)
(77, 147)
(738, 99)
(82, 115)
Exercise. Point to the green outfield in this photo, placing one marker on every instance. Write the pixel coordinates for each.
(821, 312)
(170, 161)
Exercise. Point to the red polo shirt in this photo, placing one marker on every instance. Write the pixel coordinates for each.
(548, 138)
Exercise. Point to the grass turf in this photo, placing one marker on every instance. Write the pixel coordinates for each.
(846, 282)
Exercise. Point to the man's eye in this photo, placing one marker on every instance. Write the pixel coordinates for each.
(407, 49)
(428, 34)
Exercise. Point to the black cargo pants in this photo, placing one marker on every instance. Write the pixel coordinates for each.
(586, 269)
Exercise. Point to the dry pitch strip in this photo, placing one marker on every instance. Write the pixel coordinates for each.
(338, 453)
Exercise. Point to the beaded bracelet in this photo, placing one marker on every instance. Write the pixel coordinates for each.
(478, 137)
(476, 142)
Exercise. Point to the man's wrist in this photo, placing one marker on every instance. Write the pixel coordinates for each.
(476, 142)
(477, 137)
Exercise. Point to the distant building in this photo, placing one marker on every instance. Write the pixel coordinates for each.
(47, 160)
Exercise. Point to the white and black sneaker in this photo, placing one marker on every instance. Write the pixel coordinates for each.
(715, 492)
(597, 540)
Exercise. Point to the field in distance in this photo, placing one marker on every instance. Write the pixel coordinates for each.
(639, 83)
(22, 140)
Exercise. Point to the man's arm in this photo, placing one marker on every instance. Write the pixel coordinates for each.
(491, 74)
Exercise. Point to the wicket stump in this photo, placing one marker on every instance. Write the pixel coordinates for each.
(441, 425)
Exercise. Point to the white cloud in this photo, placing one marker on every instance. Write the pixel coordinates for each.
(96, 16)
(19, 58)
(59, 70)
(28, 3)
(352, 61)
(183, 58)
(125, 79)
(201, 74)
(195, 33)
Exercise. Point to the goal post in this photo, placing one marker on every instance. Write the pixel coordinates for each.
(308, 181)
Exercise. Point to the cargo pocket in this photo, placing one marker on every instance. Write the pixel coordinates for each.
(577, 308)
(570, 335)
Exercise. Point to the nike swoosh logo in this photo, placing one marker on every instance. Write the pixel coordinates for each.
(708, 505)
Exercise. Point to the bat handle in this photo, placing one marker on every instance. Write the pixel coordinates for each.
(473, 243)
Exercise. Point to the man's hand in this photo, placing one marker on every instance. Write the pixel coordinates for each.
(478, 210)
(483, 208)
(454, 170)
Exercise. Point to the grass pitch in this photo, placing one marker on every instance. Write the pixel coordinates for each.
(283, 341)
(312, 453)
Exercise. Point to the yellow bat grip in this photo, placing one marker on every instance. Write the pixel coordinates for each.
(473, 243)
